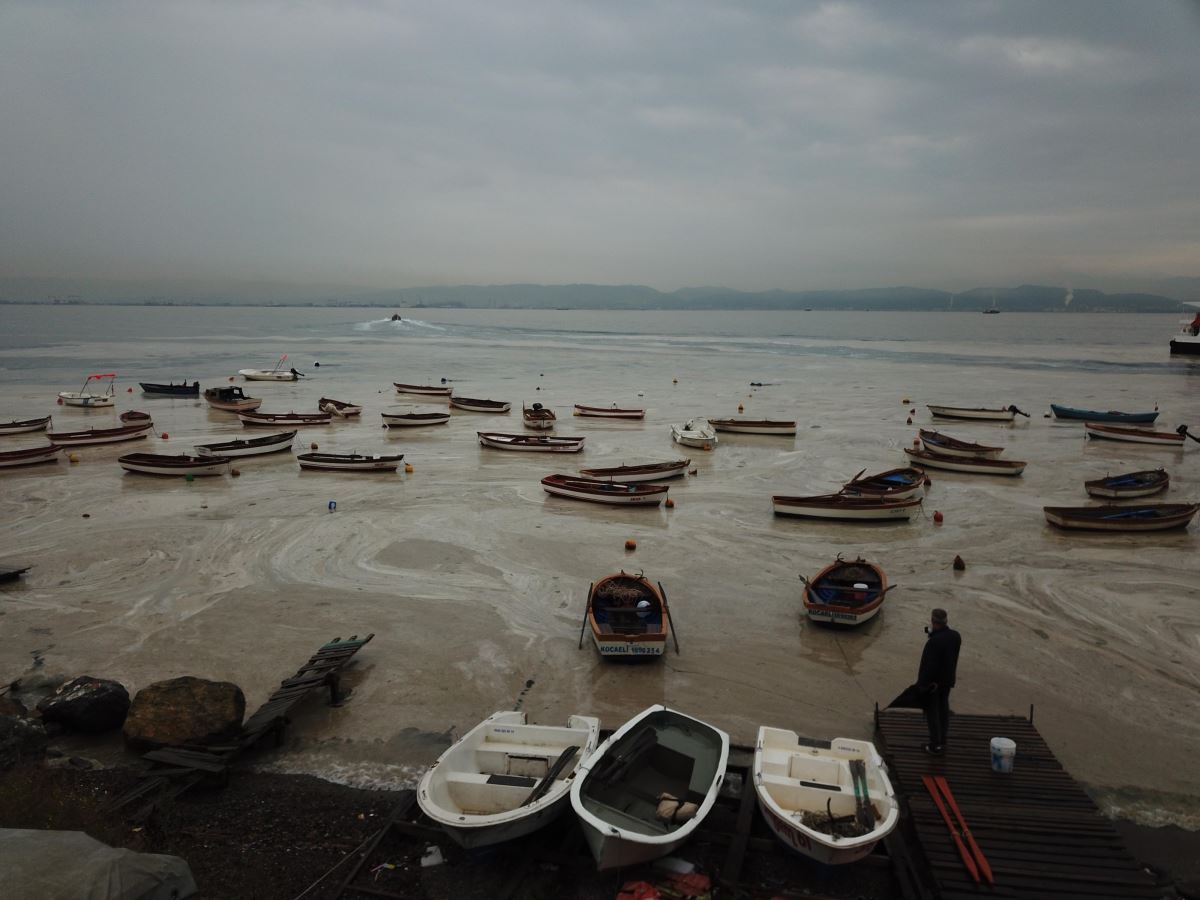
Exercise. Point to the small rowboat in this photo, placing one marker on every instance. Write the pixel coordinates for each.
(841, 506)
(649, 787)
(20, 426)
(506, 777)
(976, 465)
(943, 444)
(628, 616)
(1136, 435)
(85, 398)
(537, 416)
(845, 593)
(278, 373)
(272, 443)
(183, 389)
(428, 389)
(288, 418)
(1138, 517)
(32, 456)
(350, 462)
(803, 783)
(412, 420)
(1131, 484)
(1004, 414)
(609, 412)
(697, 432)
(604, 491)
(646, 472)
(230, 399)
(1092, 415)
(339, 408)
(135, 417)
(99, 435)
(894, 484)
(164, 464)
(539, 443)
(755, 426)
(483, 406)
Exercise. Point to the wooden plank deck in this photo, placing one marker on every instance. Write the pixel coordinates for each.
(1041, 833)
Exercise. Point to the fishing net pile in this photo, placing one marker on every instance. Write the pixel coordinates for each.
(620, 595)
(836, 826)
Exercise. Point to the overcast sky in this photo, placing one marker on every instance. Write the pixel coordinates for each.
(750, 145)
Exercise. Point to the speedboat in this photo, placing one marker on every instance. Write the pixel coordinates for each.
(278, 373)
(85, 398)
(697, 432)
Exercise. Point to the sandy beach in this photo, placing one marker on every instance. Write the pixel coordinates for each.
(473, 580)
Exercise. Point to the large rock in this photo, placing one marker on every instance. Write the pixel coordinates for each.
(20, 740)
(185, 711)
(87, 704)
(11, 706)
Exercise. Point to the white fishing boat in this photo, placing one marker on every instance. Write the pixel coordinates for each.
(90, 399)
(538, 417)
(648, 787)
(339, 408)
(846, 506)
(21, 426)
(272, 443)
(1186, 340)
(349, 462)
(596, 491)
(165, 464)
(414, 420)
(632, 474)
(976, 465)
(262, 419)
(430, 390)
(280, 372)
(697, 432)
(506, 777)
(936, 442)
(99, 435)
(1136, 435)
(609, 412)
(535, 443)
(470, 404)
(230, 399)
(831, 801)
(31, 456)
(1001, 414)
(755, 426)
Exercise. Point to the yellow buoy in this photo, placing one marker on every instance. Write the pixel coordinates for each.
(74, 457)
(408, 468)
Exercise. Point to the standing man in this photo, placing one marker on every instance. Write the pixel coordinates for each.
(939, 663)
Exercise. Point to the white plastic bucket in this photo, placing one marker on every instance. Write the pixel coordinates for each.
(1003, 752)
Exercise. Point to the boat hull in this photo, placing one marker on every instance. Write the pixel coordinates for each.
(1133, 435)
(972, 465)
(87, 401)
(830, 507)
(1134, 484)
(270, 420)
(1093, 415)
(414, 420)
(599, 412)
(98, 436)
(619, 629)
(833, 598)
(530, 444)
(349, 463)
(480, 406)
(14, 459)
(426, 390)
(944, 445)
(337, 408)
(964, 412)
(783, 429)
(25, 425)
(151, 464)
(256, 447)
(1187, 345)
(635, 474)
(1163, 516)
(170, 390)
(263, 375)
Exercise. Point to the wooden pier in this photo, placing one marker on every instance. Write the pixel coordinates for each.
(1041, 833)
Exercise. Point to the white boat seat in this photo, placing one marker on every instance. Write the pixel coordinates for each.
(483, 794)
(530, 760)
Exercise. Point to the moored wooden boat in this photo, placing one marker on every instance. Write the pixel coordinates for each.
(1135, 435)
(1129, 484)
(414, 420)
(85, 398)
(635, 473)
(134, 416)
(976, 465)
(484, 406)
(538, 416)
(802, 784)
(628, 617)
(506, 777)
(537, 443)
(604, 491)
(894, 484)
(271, 443)
(339, 408)
(183, 389)
(936, 442)
(99, 435)
(743, 425)
(350, 462)
(648, 787)
(280, 372)
(21, 426)
(695, 432)
(845, 593)
(230, 399)
(288, 418)
(849, 508)
(166, 464)
(30, 456)
(1094, 415)
(427, 389)
(609, 412)
(1001, 414)
(1134, 517)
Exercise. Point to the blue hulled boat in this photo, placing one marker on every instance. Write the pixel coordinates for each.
(1092, 415)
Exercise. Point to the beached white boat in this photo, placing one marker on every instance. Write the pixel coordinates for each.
(754, 426)
(635, 473)
(256, 418)
(801, 783)
(99, 435)
(91, 399)
(166, 464)
(31, 456)
(349, 462)
(1003, 414)
(697, 432)
(628, 616)
(648, 787)
(506, 777)
(414, 420)
(230, 399)
(272, 443)
(936, 442)
(848, 507)
(470, 404)
(1136, 435)
(975, 465)
(538, 417)
(280, 372)
(21, 426)
(430, 390)
(609, 412)
(608, 492)
(339, 408)
(534, 443)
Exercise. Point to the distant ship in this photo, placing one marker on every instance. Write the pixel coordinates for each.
(991, 312)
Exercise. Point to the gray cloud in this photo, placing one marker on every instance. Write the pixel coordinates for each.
(673, 143)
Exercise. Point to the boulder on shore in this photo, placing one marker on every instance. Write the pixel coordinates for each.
(21, 739)
(185, 710)
(87, 704)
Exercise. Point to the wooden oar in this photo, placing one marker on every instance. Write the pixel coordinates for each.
(670, 617)
(1182, 429)
(543, 786)
(1018, 412)
(586, 607)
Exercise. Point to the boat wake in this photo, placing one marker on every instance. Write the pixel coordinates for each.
(397, 325)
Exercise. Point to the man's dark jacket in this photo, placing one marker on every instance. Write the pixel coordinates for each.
(939, 660)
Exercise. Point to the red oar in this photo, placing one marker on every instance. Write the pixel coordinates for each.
(985, 868)
(967, 858)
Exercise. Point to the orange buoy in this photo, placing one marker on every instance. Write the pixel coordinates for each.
(129, 390)
(937, 516)
(916, 441)
(408, 468)
(165, 436)
(708, 446)
(60, 401)
(669, 504)
(235, 472)
(631, 544)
